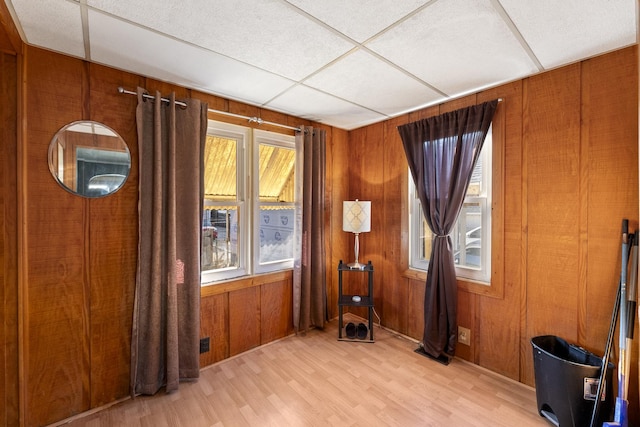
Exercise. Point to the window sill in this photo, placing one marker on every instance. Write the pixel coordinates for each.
(467, 285)
(224, 286)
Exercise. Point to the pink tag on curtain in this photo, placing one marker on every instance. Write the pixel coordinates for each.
(179, 272)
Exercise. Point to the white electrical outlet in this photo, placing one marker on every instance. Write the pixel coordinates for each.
(464, 335)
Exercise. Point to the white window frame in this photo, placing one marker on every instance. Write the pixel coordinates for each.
(243, 137)
(277, 140)
(481, 275)
(415, 229)
(247, 199)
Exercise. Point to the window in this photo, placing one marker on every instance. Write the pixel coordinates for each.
(471, 235)
(250, 180)
(274, 173)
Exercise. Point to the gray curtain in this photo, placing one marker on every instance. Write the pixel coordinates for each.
(166, 317)
(442, 152)
(309, 272)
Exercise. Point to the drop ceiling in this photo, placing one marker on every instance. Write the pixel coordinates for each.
(345, 63)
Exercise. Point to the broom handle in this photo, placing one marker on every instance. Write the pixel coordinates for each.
(632, 295)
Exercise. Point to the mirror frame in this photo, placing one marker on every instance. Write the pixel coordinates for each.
(91, 147)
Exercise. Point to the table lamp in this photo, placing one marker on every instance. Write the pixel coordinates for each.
(356, 218)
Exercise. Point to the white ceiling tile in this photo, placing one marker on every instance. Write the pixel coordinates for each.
(311, 104)
(359, 19)
(266, 33)
(363, 79)
(456, 45)
(54, 24)
(560, 32)
(259, 51)
(129, 47)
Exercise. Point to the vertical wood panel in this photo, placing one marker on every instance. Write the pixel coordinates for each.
(352, 283)
(495, 313)
(214, 323)
(56, 328)
(394, 290)
(244, 320)
(276, 313)
(551, 138)
(113, 245)
(8, 242)
(467, 319)
(338, 176)
(612, 195)
(610, 150)
(372, 245)
(415, 309)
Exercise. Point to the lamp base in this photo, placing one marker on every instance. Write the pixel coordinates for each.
(357, 266)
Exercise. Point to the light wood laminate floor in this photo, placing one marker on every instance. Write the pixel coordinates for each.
(316, 380)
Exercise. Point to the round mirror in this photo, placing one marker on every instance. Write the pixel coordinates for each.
(89, 159)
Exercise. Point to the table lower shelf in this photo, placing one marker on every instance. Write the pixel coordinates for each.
(347, 301)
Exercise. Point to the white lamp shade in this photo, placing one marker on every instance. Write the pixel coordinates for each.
(356, 216)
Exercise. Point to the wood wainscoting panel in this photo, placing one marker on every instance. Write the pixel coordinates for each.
(276, 310)
(244, 320)
(466, 316)
(551, 140)
(415, 308)
(214, 324)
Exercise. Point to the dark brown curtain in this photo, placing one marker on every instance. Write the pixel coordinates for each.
(309, 273)
(166, 317)
(442, 152)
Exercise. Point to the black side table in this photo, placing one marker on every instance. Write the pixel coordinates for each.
(348, 301)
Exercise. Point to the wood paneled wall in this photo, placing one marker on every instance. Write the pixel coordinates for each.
(569, 154)
(79, 255)
(569, 175)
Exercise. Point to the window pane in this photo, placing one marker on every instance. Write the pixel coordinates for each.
(220, 163)
(276, 171)
(220, 239)
(220, 225)
(276, 234)
(276, 189)
(475, 184)
(426, 237)
(467, 236)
